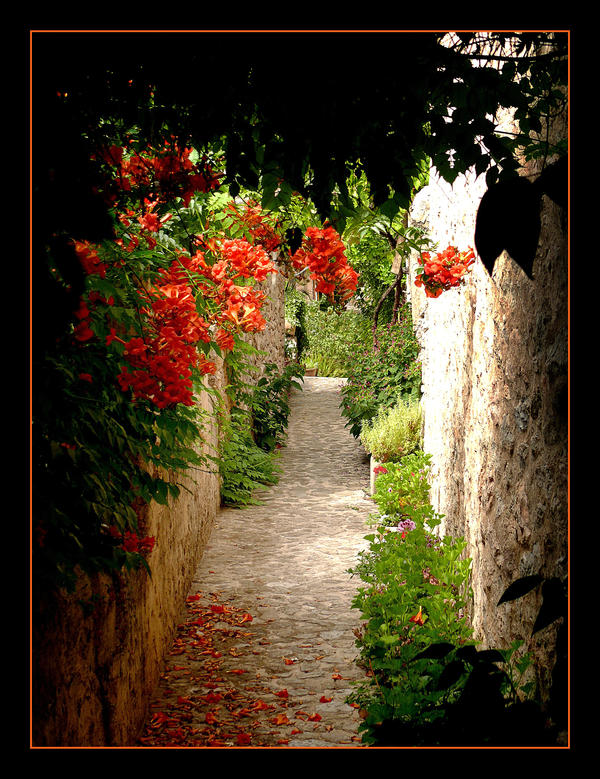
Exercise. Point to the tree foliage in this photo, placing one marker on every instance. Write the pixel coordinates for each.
(293, 112)
(298, 111)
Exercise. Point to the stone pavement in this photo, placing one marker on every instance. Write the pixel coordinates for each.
(265, 652)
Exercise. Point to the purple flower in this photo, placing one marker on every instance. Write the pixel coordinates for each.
(405, 525)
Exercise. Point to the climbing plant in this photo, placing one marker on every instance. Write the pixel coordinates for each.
(429, 99)
(115, 405)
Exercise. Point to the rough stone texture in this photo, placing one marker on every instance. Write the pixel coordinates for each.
(271, 340)
(285, 564)
(494, 356)
(93, 675)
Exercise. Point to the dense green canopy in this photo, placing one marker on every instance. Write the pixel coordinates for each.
(291, 111)
(302, 107)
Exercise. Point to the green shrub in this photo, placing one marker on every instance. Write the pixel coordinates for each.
(243, 465)
(333, 338)
(395, 432)
(414, 595)
(269, 404)
(427, 683)
(402, 491)
(382, 375)
(254, 429)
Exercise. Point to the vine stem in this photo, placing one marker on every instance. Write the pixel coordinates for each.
(394, 241)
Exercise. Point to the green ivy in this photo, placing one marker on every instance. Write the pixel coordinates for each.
(269, 404)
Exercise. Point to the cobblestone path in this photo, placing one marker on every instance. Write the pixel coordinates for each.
(265, 653)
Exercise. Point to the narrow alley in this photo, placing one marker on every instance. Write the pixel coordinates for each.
(264, 655)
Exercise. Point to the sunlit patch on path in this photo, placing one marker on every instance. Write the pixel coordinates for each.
(264, 654)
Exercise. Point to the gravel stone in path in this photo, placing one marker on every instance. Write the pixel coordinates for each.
(266, 652)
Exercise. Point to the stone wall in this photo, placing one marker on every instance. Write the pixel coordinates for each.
(495, 362)
(93, 674)
(270, 340)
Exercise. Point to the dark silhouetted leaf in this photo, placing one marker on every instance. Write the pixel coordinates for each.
(490, 656)
(451, 674)
(520, 587)
(554, 181)
(435, 651)
(508, 219)
(467, 653)
(553, 606)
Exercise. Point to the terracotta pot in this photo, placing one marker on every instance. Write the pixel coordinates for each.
(310, 371)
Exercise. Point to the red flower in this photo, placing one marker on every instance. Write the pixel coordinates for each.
(255, 222)
(206, 366)
(143, 546)
(323, 252)
(168, 173)
(130, 541)
(83, 332)
(112, 156)
(224, 340)
(247, 260)
(89, 259)
(418, 618)
(445, 271)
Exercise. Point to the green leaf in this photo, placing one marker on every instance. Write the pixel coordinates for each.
(161, 492)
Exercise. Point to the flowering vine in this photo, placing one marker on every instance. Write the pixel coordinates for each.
(263, 227)
(176, 287)
(162, 174)
(444, 271)
(323, 253)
